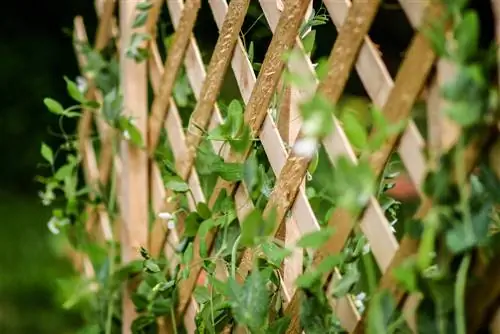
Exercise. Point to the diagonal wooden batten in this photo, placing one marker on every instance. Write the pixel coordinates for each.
(208, 91)
(213, 82)
(91, 168)
(104, 29)
(378, 84)
(254, 113)
(175, 57)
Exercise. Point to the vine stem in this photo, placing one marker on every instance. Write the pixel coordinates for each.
(460, 293)
(233, 256)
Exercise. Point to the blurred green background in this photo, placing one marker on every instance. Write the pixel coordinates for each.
(36, 52)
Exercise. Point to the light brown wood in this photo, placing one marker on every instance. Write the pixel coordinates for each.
(134, 182)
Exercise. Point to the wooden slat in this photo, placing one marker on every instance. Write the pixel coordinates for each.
(172, 66)
(134, 187)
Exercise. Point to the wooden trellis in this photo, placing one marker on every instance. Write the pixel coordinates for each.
(139, 176)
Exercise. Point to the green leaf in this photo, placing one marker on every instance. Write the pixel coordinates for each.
(187, 257)
(253, 227)
(275, 254)
(133, 133)
(144, 5)
(467, 35)
(47, 154)
(53, 106)
(141, 323)
(63, 172)
(250, 302)
(344, 285)
(201, 294)
(161, 306)
(251, 52)
(140, 19)
(177, 185)
(463, 236)
(354, 130)
(406, 275)
(315, 239)
(379, 314)
(231, 172)
(151, 266)
(308, 41)
(311, 276)
(203, 210)
(279, 326)
(112, 106)
(73, 91)
(191, 224)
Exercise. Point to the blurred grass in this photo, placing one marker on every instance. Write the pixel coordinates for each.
(29, 267)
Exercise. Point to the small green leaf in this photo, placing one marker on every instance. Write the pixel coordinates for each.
(187, 257)
(73, 91)
(279, 326)
(177, 185)
(250, 302)
(406, 275)
(275, 254)
(144, 5)
(308, 41)
(142, 322)
(231, 171)
(192, 223)
(161, 306)
(354, 130)
(467, 35)
(47, 154)
(380, 312)
(140, 19)
(252, 227)
(151, 266)
(344, 285)
(315, 239)
(53, 106)
(201, 294)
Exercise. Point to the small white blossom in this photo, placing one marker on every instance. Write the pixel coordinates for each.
(366, 249)
(312, 126)
(361, 296)
(305, 147)
(52, 225)
(81, 84)
(165, 215)
(126, 135)
(171, 224)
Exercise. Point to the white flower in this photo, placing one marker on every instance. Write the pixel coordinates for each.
(165, 215)
(361, 296)
(305, 147)
(81, 84)
(171, 224)
(126, 135)
(366, 249)
(52, 225)
(358, 303)
(312, 125)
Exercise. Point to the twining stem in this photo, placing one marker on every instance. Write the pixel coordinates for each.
(233, 256)
(460, 293)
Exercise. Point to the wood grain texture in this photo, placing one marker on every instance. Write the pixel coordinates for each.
(175, 57)
(134, 182)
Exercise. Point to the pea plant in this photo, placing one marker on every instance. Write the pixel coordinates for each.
(458, 233)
